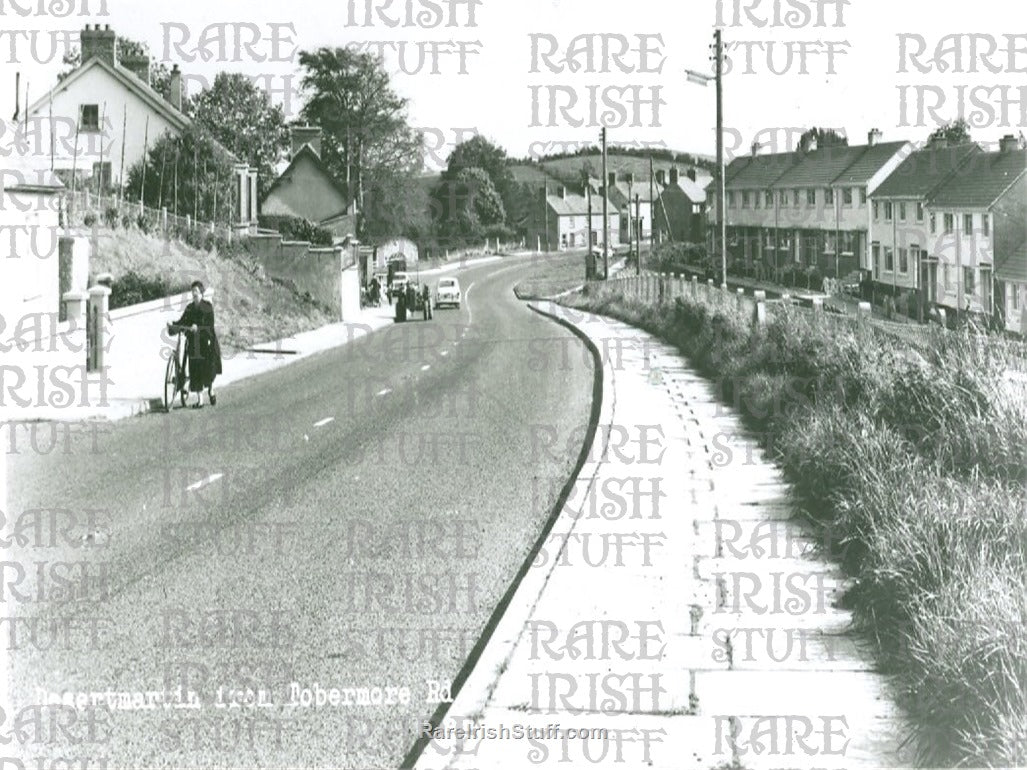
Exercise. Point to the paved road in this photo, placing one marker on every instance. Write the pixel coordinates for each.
(346, 522)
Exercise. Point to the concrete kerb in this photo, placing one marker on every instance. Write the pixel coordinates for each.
(477, 680)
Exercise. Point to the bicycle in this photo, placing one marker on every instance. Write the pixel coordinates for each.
(174, 372)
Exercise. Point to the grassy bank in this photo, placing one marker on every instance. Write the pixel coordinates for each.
(250, 307)
(917, 469)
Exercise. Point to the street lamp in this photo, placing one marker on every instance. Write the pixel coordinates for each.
(703, 79)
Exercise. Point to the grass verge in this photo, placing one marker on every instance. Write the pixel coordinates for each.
(917, 471)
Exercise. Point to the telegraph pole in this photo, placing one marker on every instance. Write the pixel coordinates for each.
(721, 196)
(638, 234)
(606, 198)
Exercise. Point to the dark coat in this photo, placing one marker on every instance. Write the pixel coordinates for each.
(202, 349)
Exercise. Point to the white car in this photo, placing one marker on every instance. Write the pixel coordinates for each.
(447, 292)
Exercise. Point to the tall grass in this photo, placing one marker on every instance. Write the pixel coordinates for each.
(917, 467)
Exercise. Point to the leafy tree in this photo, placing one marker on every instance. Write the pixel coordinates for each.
(826, 137)
(160, 75)
(366, 141)
(955, 132)
(481, 153)
(467, 205)
(193, 162)
(242, 118)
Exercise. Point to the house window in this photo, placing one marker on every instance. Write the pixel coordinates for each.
(877, 211)
(730, 199)
(756, 199)
(848, 243)
(876, 250)
(919, 212)
(887, 212)
(1015, 296)
(862, 195)
(795, 198)
(985, 225)
(745, 199)
(811, 197)
(903, 260)
(770, 199)
(968, 223)
(889, 259)
(784, 197)
(847, 196)
(90, 117)
(969, 280)
(828, 196)
(948, 222)
(934, 224)
(829, 243)
(902, 212)
(946, 279)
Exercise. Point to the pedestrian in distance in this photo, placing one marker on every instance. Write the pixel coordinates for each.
(426, 299)
(202, 349)
(401, 307)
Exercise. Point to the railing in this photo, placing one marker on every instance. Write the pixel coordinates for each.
(933, 339)
(81, 203)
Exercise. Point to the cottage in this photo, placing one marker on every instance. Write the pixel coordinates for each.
(307, 189)
(681, 207)
(561, 221)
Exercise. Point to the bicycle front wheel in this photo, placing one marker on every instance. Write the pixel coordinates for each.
(171, 383)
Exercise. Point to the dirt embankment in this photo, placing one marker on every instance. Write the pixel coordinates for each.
(250, 308)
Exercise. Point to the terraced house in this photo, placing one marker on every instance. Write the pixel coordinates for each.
(950, 224)
(809, 208)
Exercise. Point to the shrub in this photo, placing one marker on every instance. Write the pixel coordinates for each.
(128, 221)
(133, 288)
(89, 219)
(111, 216)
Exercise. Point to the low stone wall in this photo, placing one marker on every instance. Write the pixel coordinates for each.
(311, 269)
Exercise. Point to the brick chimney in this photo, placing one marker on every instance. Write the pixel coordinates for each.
(99, 43)
(673, 176)
(302, 135)
(873, 137)
(1008, 143)
(175, 88)
(612, 178)
(661, 177)
(755, 148)
(138, 66)
(690, 174)
(630, 179)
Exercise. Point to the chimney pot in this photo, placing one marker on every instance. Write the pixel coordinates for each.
(175, 85)
(612, 180)
(660, 176)
(755, 148)
(1008, 143)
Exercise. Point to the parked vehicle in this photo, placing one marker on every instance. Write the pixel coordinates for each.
(399, 283)
(447, 292)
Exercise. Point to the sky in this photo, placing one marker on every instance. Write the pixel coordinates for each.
(505, 68)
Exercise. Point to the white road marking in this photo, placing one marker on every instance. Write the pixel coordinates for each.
(325, 421)
(383, 392)
(444, 353)
(200, 484)
(426, 367)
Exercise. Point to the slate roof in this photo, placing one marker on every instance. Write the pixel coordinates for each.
(924, 171)
(576, 205)
(760, 172)
(819, 168)
(694, 191)
(869, 163)
(1014, 267)
(981, 180)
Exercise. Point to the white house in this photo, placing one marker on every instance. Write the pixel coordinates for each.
(102, 115)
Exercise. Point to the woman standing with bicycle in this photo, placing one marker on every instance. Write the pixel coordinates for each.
(202, 349)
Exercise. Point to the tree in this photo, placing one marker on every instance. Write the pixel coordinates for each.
(480, 153)
(201, 169)
(241, 117)
(955, 132)
(826, 137)
(366, 141)
(160, 75)
(467, 206)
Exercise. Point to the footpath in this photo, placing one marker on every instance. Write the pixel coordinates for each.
(678, 615)
(138, 349)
